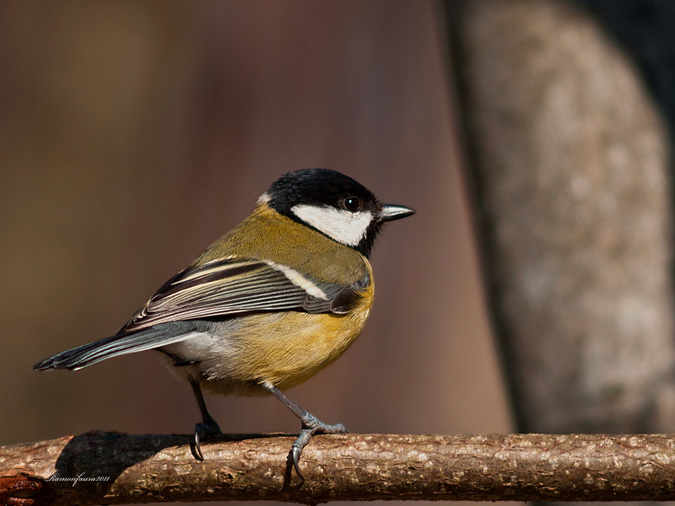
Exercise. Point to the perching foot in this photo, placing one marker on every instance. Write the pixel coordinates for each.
(311, 425)
(202, 430)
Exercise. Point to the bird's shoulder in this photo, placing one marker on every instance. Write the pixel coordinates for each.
(272, 237)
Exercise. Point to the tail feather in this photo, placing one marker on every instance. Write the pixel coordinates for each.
(120, 344)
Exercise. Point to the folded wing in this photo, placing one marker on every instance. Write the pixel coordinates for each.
(215, 290)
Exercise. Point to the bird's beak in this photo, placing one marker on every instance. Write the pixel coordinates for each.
(391, 213)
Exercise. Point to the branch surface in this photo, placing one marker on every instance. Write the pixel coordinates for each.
(114, 468)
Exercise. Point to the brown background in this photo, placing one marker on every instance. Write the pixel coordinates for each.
(132, 135)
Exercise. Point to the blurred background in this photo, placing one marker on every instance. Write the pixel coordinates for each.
(134, 134)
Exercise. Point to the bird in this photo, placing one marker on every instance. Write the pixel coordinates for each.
(268, 305)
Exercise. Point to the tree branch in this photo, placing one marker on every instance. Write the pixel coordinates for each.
(113, 468)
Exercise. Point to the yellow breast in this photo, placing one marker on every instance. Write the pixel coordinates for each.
(286, 348)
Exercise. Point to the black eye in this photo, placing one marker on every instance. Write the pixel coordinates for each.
(352, 204)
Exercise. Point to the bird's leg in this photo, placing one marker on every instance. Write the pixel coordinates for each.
(310, 425)
(208, 427)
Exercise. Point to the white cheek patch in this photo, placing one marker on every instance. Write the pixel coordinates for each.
(339, 224)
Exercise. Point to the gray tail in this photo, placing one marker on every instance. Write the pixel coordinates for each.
(120, 344)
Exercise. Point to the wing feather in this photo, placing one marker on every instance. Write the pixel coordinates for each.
(222, 288)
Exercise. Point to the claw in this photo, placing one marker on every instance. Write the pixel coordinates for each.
(311, 425)
(295, 460)
(299, 444)
(202, 430)
(198, 448)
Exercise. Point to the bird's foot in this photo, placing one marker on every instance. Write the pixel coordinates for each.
(311, 425)
(202, 430)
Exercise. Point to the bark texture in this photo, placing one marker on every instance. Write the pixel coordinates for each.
(569, 161)
(114, 468)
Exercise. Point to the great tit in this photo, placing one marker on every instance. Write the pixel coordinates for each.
(269, 304)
